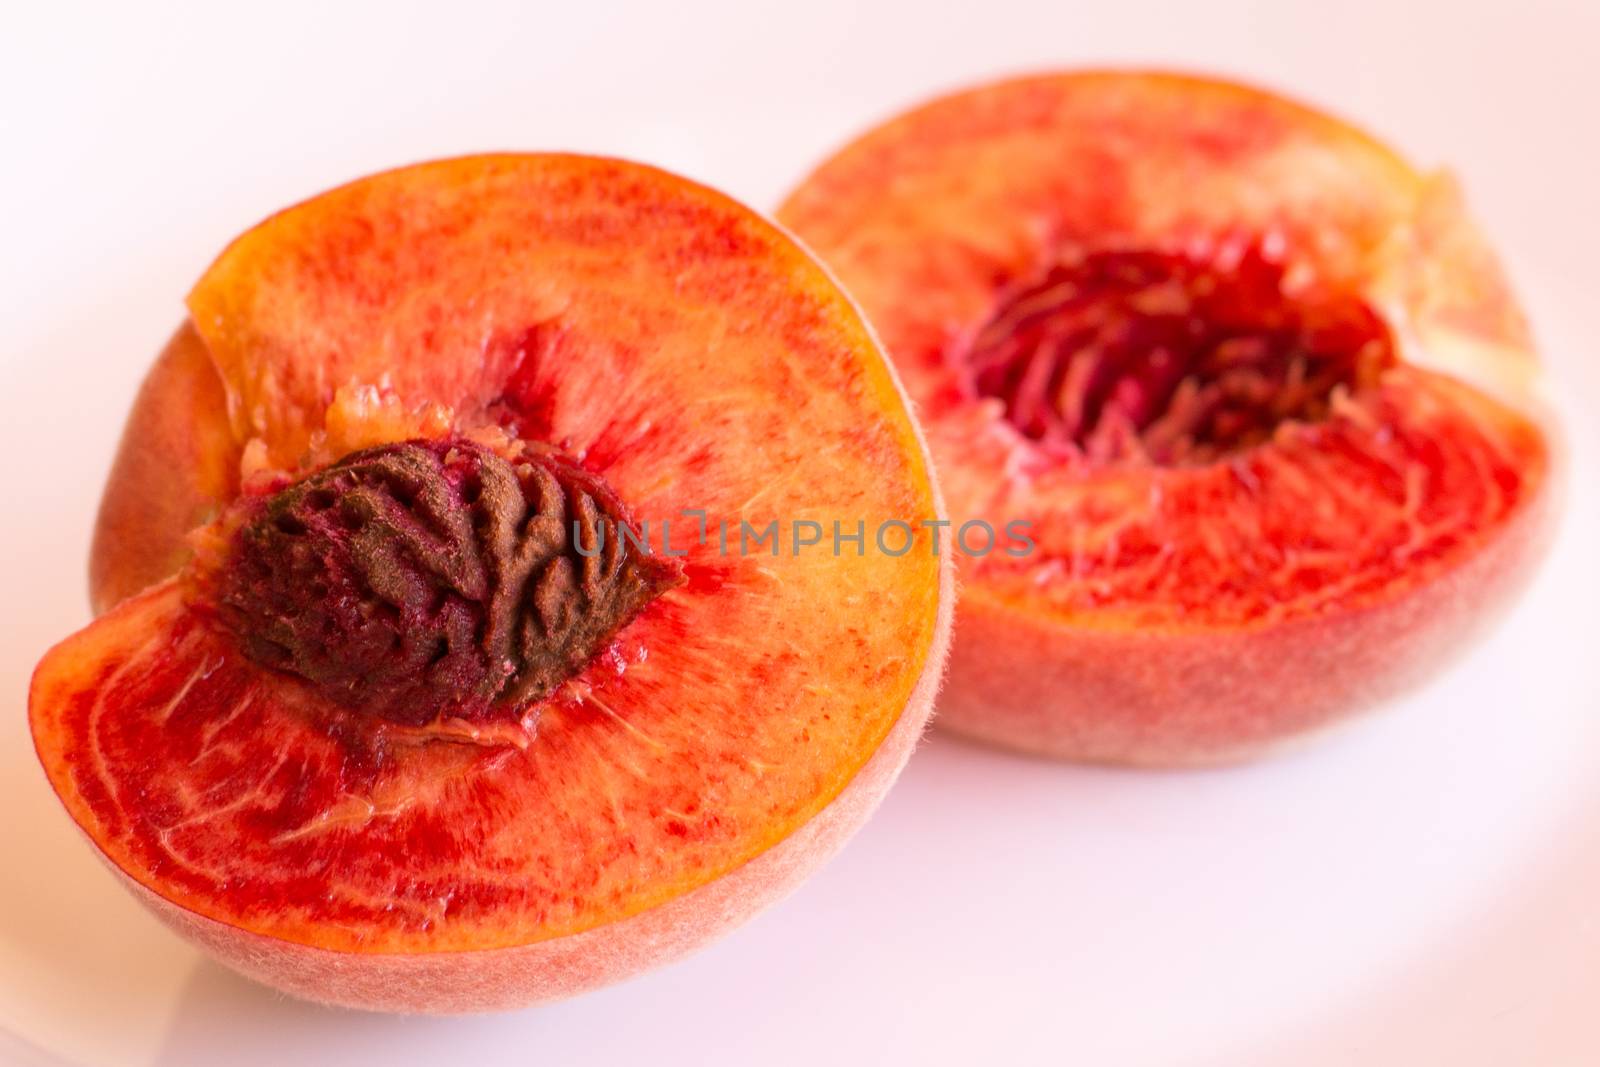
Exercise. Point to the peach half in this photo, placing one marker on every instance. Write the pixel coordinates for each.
(424, 681)
(1255, 388)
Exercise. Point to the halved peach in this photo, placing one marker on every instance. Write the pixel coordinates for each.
(415, 720)
(1254, 388)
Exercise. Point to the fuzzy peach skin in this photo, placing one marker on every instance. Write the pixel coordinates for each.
(1202, 612)
(724, 742)
(177, 466)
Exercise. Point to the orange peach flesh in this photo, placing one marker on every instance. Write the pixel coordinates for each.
(1200, 612)
(733, 734)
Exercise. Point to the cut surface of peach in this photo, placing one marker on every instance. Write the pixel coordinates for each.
(1258, 386)
(688, 367)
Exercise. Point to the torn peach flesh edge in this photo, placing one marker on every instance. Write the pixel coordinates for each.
(1445, 294)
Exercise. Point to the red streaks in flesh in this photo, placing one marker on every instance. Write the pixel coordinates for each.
(1392, 488)
(523, 406)
(244, 757)
(237, 791)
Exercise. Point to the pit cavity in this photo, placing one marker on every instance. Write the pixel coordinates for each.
(1170, 359)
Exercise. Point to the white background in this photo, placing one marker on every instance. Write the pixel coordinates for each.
(1419, 888)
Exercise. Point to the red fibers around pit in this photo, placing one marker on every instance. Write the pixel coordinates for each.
(1163, 358)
